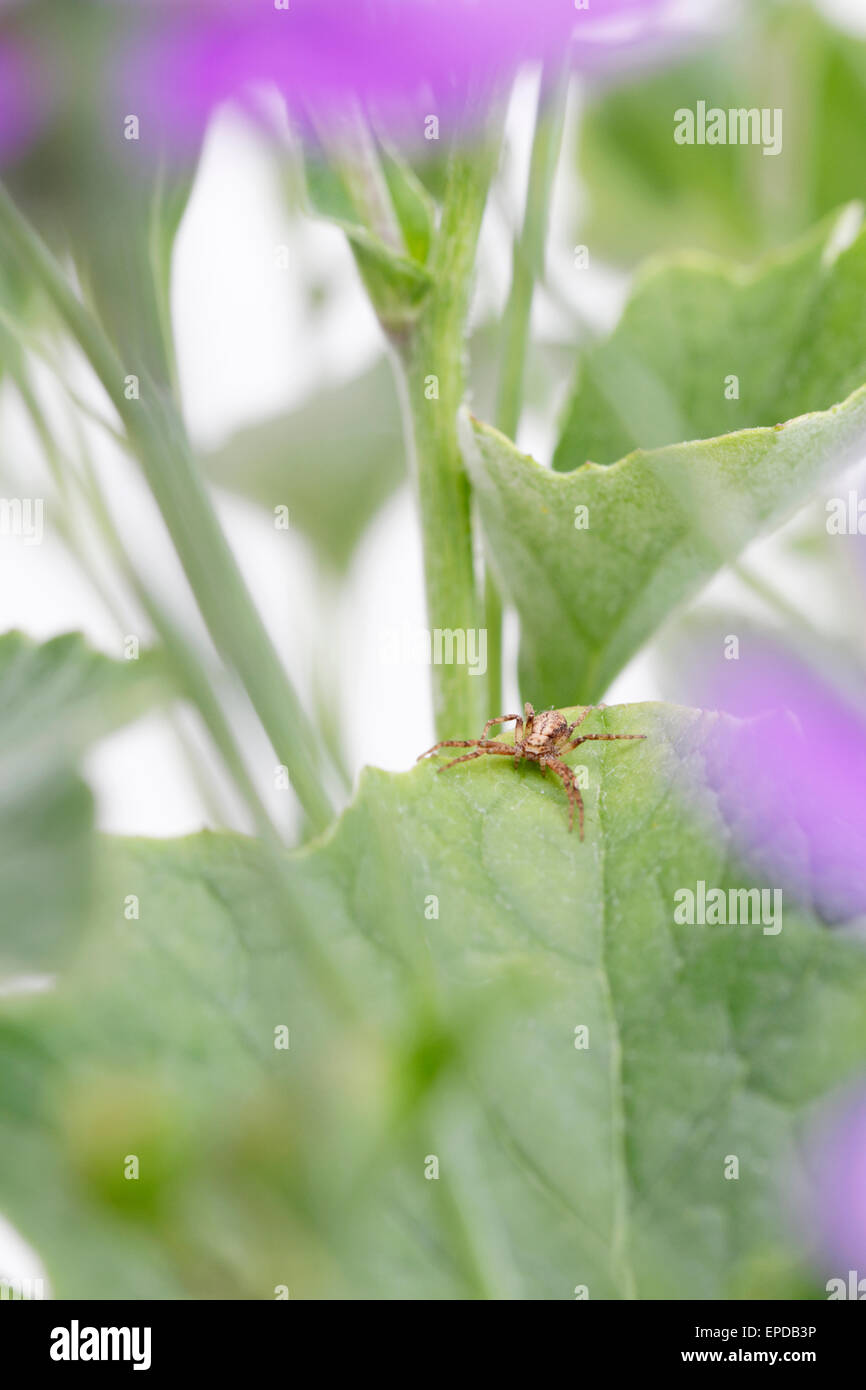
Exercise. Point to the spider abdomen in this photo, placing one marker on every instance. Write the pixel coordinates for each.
(548, 729)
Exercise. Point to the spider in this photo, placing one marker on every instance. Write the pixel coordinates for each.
(540, 738)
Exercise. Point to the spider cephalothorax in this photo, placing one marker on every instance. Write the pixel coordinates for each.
(540, 738)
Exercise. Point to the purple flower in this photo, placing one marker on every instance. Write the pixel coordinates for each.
(171, 62)
(393, 56)
(792, 781)
(791, 784)
(22, 100)
(838, 1213)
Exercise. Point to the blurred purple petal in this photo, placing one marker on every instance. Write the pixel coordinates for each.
(792, 782)
(22, 100)
(839, 1166)
(387, 54)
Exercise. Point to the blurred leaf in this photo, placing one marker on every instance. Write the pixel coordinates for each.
(54, 700)
(334, 461)
(646, 193)
(558, 1165)
(337, 458)
(16, 307)
(549, 368)
(789, 330)
(592, 586)
(397, 285)
(415, 208)
(327, 194)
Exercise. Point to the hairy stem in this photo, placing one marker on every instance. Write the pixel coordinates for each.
(431, 352)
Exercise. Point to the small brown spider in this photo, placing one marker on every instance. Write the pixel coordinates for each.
(543, 740)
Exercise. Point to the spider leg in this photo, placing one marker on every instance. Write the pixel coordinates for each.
(528, 716)
(448, 743)
(504, 719)
(597, 738)
(501, 748)
(577, 723)
(572, 789)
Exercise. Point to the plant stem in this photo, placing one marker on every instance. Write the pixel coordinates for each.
(433, 384)
(493, 616)
(157, 434)
(529, 251)
(527, 267)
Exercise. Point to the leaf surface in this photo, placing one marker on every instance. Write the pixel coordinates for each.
(55, 699)
(468, 936)
(760, 371)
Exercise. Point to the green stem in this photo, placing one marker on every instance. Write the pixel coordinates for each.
(493, 617)
(529, 252)
(160, 443)
(190, 675)
(527, 268)
(432, 355)
(194, 683)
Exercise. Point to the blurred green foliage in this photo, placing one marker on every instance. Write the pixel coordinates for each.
(661, 521)
(337, 458)
(55, 700)
(334, 461)
(387, 216)
(644, 193)
(705, 347)
(113, 203)
(447, 1033)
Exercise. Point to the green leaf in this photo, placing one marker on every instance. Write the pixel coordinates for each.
(337, 458)
(334, 461)
(415, 208)
(646, 193)
(397, 283)
(444, 1026)
(326, 191)
(591, 586)
(54, 700)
